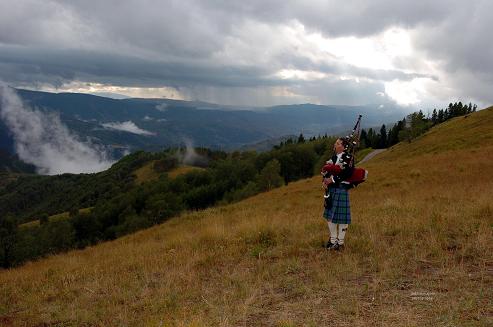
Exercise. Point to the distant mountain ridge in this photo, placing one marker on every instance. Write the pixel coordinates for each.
(126, 125)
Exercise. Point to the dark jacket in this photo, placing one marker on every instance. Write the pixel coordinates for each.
(347, 166)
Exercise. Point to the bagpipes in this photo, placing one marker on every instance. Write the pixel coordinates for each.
(358, 175)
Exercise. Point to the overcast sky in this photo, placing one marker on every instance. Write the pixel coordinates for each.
(415, 53)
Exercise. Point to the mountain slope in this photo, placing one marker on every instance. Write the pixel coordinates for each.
(10, 163)
(152, 124)
(419, 252)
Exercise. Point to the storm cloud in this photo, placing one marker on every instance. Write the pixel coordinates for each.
(255, 52)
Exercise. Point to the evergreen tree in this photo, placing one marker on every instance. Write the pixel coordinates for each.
(301, 139)
(434, 117)
(440, 116)
(363, 139)
(8, 236)
(371, 138)
(382, 144)
(416, 124)
(394, 132)
(460, 109)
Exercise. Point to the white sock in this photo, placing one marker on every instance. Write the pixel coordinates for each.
(342, 233)
(333, 232)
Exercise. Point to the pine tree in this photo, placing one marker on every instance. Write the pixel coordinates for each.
(382, 144)
(301, 139)
(371, 138)
(440, 116)
(434, 117)
(8, 238)
(394, 132)
(451, 110)
(363, 139)
(460, 109)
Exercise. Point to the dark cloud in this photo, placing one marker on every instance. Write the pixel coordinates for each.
(66, 65)
(333, 18)
(59, 66)
(462, 47)
(220, 50)
(463, 41)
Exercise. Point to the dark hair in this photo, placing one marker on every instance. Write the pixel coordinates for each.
(344, 142)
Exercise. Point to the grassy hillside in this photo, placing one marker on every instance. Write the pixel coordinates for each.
(58, 217)
(147, 173)
(183, 170)
(419, 253)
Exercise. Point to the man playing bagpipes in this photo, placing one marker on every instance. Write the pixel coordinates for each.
(339, 175)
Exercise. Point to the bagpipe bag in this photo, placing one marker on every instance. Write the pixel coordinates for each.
(358, 176)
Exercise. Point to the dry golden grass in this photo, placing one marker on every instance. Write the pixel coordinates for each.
(418, 253)
(182, 170)
(146, 173)
(58, 217)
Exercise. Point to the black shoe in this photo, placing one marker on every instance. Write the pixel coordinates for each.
(339, 247)
(331, 246)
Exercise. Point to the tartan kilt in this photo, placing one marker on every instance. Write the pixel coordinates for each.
(340, 212)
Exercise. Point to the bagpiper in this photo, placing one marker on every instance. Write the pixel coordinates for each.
(339, 175)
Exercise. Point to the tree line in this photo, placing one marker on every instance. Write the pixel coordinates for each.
(412, 126)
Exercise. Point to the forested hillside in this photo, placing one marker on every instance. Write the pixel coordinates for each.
(123, 200)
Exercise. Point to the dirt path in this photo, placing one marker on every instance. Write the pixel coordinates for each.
(371, 155)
